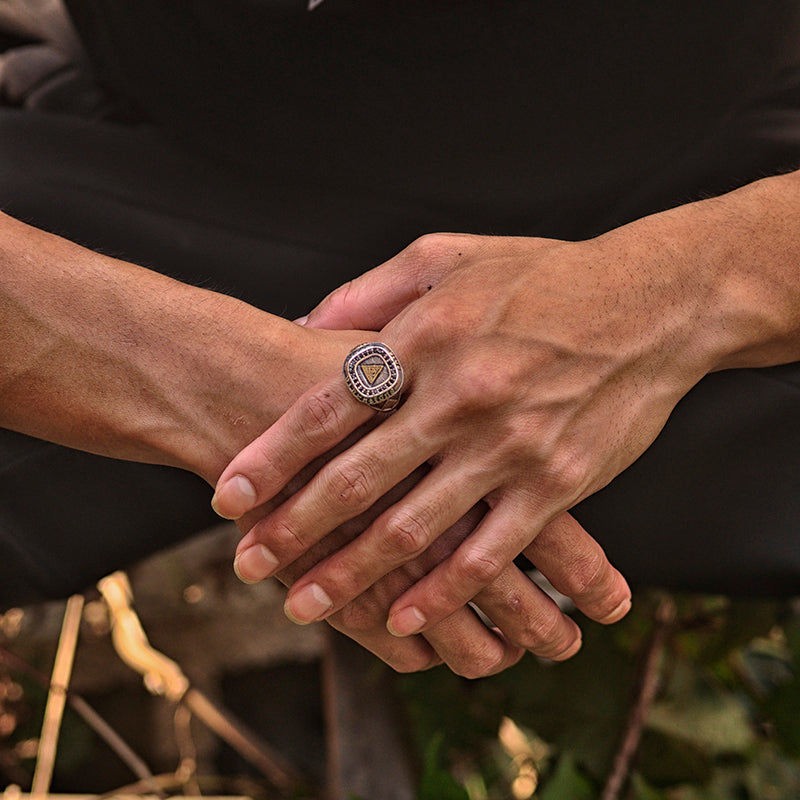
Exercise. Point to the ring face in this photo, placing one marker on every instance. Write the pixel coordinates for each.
(374, 376)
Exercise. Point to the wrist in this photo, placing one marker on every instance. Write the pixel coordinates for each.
(240, 369)
(721, 276)
(759, 285)
(108, 357)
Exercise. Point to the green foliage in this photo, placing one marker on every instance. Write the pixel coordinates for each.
(642, 790)
(782, 707)
(75, 739)
(436, 781)
(567, 782)
(725, 723)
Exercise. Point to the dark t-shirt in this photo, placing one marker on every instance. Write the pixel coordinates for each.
(483, 108)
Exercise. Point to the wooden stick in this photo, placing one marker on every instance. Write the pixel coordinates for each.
(162, 676)
(92, 719)
(57, 696)
(648, 686)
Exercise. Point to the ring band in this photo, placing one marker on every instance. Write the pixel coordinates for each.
(374, 376)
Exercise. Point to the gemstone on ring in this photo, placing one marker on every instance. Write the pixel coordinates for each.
(374, 376)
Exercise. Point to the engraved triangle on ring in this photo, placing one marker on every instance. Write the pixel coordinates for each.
(372, 372)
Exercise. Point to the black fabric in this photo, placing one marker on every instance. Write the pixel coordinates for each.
(477, 110)
(713, 505)
(68, 518)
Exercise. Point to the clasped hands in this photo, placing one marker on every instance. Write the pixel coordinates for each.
(536, 371)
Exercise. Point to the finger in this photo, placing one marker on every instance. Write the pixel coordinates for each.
(342, 490)
(476, 563)
(528, 617)
(413, 654)
(364, 620)
(399, 535)
(577, 567)
(462, 641)
(320, 419)
(469, 648)
(370, 301)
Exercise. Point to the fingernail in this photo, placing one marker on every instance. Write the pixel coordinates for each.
(255, 564)
(235, 497)
(618, 613)
(308, 604)
(406, 621)
(301, 320)
(570, 651)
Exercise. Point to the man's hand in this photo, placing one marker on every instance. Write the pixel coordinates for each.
(536, 372)
(523, 616)
(462, 642)
(106, 356)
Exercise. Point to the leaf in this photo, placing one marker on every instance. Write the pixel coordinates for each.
(792, 630)
(769, 777)
(667, 760)
(567, 782)
(743, 620)
(717, 724)
(773, 775)
(761, 669)
(436, 782)
(698, 710)
(579, 705)
(783, 705)
(642, 790)
(466, 713)
(783, 708)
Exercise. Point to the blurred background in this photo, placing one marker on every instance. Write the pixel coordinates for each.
(689, 697)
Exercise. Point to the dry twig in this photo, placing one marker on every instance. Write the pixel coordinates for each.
(162, 676)
(57, 696)
(126, 754)
(647, 688)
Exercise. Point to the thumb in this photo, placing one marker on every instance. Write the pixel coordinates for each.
(370, 301)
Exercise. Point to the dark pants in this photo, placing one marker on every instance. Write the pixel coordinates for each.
(714, 504)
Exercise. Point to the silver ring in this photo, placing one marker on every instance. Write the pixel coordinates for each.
(374, 376)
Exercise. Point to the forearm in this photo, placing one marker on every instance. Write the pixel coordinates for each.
(731, 268)
(108, 357)
(541, 370)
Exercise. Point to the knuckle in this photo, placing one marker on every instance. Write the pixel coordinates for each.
(586, 573)
(482, 384)
(479, 567)
(541, 635)
(343, 297)
(446, 317)
(273, 465)
(564, 477)
(479, 662)
(350, 484)
(431, 248)
(406, 662)
(603, 598)
(359, 616)
(408, 532)
(283, 533)
(321, 415)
